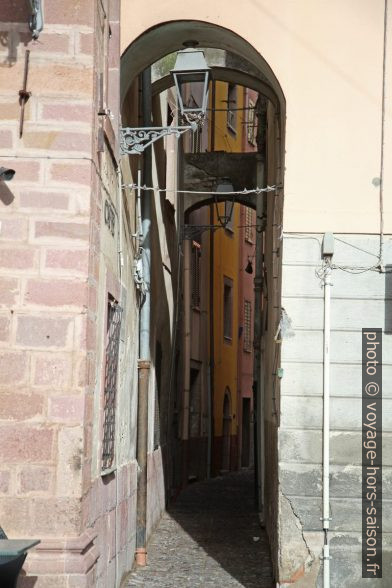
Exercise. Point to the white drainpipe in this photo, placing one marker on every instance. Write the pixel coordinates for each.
(327, 252)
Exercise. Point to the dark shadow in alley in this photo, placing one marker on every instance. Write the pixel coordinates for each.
(211, 536)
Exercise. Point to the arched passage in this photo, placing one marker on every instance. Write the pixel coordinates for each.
(194, 381)
(168, 37)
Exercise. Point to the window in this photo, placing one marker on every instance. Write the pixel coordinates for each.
(247, 326)
(251, 126)
(231, 105)
(249, 224)
(113, 327)
(195, 274)
(227, 308)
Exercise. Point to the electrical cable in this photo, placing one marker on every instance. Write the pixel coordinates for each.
(244, 192)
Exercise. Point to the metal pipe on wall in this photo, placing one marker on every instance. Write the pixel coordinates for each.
(258, 401)
(210, 389)
(211, 429)
(187, 355)
(121, 263)
(144, 362)
(327, 255)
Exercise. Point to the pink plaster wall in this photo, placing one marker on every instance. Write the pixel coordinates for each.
(246, 292)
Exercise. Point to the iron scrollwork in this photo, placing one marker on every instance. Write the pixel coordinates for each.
(135, 140)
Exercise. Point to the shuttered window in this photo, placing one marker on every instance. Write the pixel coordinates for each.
(251, 126)
(249, 224)
(247, 326)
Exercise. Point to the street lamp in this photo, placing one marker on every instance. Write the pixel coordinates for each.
(225, 187)
(191, 76)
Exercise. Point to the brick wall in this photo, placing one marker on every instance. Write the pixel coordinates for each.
(50, 225)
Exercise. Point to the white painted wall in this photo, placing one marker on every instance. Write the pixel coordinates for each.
(328, 59)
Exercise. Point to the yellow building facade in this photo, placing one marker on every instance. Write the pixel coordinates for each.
(225, 135)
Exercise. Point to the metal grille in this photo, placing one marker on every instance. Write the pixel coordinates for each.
(247, 325)
(248, 224)
(111, 365)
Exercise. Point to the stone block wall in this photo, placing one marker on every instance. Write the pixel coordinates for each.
(357, 301)
(44, 269)
(51, 231)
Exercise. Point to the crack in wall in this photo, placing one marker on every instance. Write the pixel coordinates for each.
(311, 557)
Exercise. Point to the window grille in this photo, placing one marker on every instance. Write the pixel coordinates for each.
(248, 224)
(111, 365)
(251, 127)
(227, 308)
(195, 274)
(247, 326)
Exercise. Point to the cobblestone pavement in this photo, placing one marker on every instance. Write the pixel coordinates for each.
(207, 539)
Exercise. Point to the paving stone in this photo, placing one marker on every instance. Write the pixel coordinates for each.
(206, 539)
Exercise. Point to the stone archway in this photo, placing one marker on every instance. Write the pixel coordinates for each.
(256, 73)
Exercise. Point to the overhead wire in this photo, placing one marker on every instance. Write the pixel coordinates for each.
(243, 192)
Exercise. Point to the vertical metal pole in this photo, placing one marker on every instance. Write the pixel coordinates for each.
(142, 449)
(187, 357)
(258, 380)
(212, 354)
(144, 342)
(146, 225)
(326, 386)
(210, 445)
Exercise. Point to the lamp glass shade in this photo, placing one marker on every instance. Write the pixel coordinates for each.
(225, 185)
(191, 76)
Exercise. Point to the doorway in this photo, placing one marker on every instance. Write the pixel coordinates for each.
(226, 431)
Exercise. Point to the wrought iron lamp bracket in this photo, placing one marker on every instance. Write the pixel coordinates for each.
(36, 21)
(135, 140)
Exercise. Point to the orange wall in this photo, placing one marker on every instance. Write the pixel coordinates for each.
(225, 356)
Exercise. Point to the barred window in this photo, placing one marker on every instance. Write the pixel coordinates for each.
(249, 224)
(247, 326)
(195, 274)
(111, 364)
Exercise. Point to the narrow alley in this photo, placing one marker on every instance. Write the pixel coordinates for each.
(195, 294)
(211, 536)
